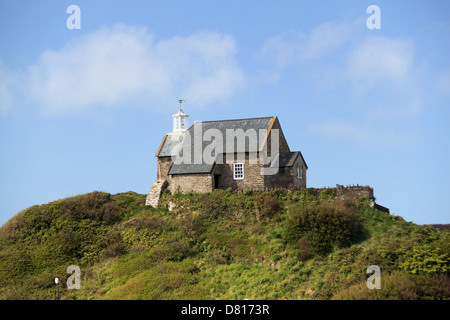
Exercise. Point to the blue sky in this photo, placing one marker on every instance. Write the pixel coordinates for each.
(85, 109)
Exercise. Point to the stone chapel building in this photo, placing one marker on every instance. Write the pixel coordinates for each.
(237, 154)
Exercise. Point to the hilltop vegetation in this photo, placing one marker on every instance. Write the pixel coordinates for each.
(300, 244)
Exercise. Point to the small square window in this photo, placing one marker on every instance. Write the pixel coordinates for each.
(238, 171)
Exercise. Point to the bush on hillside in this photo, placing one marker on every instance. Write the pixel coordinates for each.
(324, 226)
(271, 206)
(400, 286)
(304, 250)
(426, 260)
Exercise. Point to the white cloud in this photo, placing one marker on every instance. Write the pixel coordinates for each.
(384, 77)
(126, 65)
(377, 73)
(279, 50)
(380, 59)
(202, 65)
(294, 49)
(351, 54)
(325, 40)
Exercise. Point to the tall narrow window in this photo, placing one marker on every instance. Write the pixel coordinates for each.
(238, 171)
(300, 172)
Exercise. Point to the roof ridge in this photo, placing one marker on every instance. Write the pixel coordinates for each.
(238, 119)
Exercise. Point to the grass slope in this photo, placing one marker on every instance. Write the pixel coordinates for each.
(300, 244)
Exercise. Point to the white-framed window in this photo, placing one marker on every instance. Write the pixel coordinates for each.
(238, 171)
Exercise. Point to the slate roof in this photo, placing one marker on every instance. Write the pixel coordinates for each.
(169, 144)
(288, 159)
(173, 139)
(221, 126)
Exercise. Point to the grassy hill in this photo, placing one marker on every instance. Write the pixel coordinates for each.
(301, 244)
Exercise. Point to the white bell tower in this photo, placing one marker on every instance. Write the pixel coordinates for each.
(180, 120)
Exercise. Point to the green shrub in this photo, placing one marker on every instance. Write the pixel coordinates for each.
(304, 250)
(396, 286)
(435, 288)
(271, 206)
(327, 194)
(400, 286)
(115, 249)
(425, 259)
(191, 225)
(217, 255)
(86, 206)
(148, 222)
(324, 225)
(111, 212)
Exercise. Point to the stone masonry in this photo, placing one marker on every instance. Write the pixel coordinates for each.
(155, 193)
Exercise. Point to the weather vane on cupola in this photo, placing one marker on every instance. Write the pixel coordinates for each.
(180, 102)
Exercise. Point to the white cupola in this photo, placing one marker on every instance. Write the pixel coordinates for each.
(180, 120)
